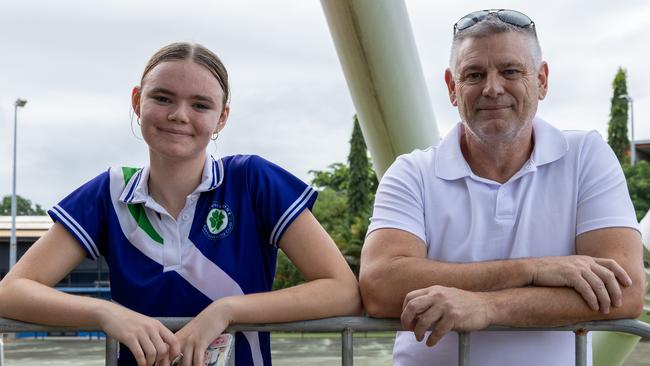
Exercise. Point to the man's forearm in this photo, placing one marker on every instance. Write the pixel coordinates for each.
(554, 306)
(389, 282)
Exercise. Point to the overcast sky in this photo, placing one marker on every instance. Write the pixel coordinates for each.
(76, 62)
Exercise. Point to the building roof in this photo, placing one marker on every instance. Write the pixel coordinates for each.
(26, 226)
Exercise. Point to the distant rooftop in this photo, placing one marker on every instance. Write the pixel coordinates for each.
(26, 226)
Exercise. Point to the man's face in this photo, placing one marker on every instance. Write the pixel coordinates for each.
(496, 85)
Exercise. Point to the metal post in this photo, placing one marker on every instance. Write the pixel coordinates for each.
(347, 356)
(112, 348)
(463, 349)
(581, 347)
(632, 129)
(2, 350)
(12, 241)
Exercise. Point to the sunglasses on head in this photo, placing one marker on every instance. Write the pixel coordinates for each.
(508, 16)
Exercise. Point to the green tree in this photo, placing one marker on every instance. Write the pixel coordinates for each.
(617, 128)
(335, 177)
(330, 210)
(362, 184)
(346, 226)
(359, 180)
(23, 207)
(638, 183)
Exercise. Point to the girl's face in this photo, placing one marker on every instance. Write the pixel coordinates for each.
(180, 105)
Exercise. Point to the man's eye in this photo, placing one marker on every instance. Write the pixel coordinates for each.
(201, 106)
(474, 76)
(511, 72)
(160, 98)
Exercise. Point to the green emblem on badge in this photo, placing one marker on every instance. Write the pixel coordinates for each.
(220, 221)
(217, 220)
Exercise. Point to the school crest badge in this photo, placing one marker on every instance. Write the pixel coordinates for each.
(219, 222)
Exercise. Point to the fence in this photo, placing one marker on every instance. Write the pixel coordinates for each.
(348, 325)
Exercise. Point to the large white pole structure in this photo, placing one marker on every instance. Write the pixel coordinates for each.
(12, 241)
(377, 51)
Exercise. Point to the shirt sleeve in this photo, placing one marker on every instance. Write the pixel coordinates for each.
(83, 213)
(603, 198)
(399, 199)
(278, 196)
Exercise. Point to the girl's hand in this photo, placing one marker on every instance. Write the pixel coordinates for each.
(195, 336)
(150, 342)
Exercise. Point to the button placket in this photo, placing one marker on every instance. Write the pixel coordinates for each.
(504, 204)
(185, 221)
(172, 247)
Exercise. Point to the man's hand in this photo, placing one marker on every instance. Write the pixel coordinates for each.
(448, 308)
(597, 280)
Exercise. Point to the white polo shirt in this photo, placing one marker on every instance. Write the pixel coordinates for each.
(571, 184)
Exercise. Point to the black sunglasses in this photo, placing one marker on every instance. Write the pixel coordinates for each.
(508, 16)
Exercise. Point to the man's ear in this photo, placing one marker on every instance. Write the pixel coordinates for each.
(542, 80)
(451, 87)
(135, 100)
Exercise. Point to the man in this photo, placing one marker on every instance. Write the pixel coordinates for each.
(509, 221)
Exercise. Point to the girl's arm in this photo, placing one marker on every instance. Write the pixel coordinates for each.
(26, 294)
(331, 290)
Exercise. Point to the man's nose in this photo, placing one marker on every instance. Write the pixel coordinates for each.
(493, 85)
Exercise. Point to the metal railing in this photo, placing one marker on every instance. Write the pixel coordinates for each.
(348, 325)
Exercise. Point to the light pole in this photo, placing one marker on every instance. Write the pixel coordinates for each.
(12, 242)
(631, 103)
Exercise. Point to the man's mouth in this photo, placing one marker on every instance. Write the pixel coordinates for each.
(493, 107)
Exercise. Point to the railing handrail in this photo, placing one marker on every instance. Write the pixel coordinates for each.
(337, 324)
(348, 325)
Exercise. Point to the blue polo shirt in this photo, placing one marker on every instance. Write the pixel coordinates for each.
(223, 242)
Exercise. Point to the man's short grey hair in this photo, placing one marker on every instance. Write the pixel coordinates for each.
(493, 25)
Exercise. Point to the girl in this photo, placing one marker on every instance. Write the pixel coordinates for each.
(187, 236)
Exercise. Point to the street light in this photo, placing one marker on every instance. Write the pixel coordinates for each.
(631, 102)
(12, 242)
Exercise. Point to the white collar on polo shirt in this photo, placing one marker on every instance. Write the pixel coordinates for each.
(550, 145)
(136, 189)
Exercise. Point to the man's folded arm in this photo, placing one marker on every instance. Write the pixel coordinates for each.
(395, 263)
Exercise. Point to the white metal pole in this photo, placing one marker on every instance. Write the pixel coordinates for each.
(377, 51)
(12, 241)
(632, 129)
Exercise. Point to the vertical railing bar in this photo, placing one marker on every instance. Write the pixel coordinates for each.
(581, 347)
(111, 351)
(463, 349)
(2, 349)
(347, 356)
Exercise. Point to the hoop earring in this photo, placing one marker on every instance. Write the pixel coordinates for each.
(215, 136)
(131, 113)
